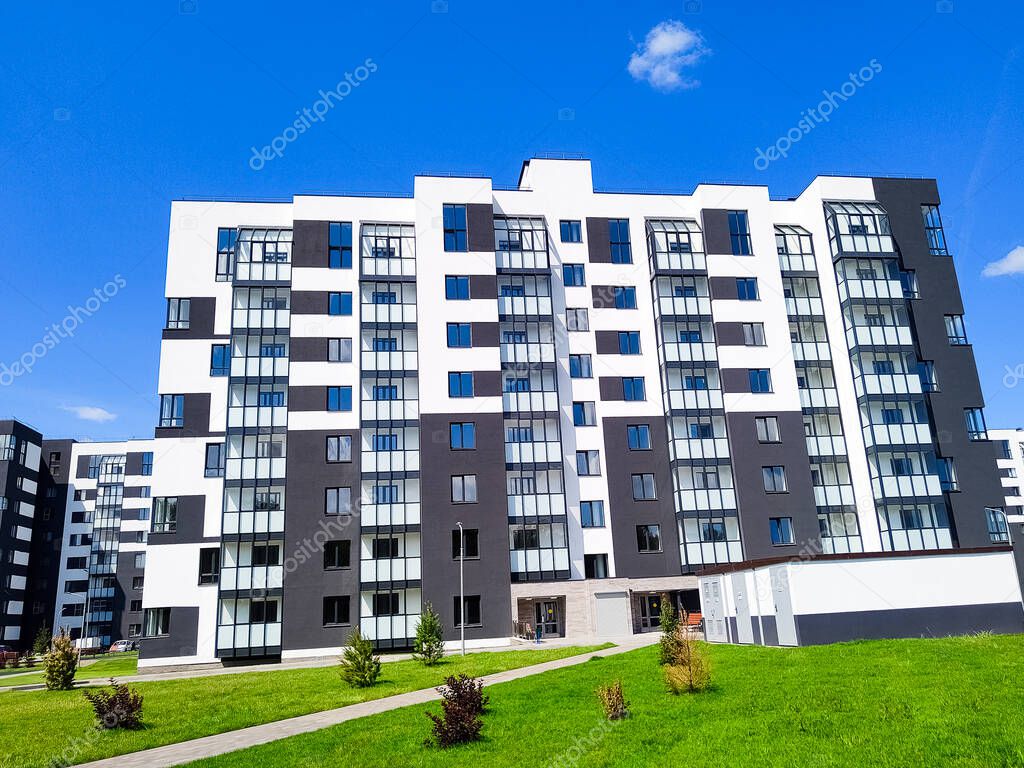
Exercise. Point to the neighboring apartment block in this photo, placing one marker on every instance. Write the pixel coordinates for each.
(592, 397)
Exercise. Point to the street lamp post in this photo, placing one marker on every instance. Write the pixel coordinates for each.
(462, 588)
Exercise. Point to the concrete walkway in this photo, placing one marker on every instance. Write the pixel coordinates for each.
(308, 663)
(219, 744)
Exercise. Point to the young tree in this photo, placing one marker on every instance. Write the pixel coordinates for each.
(428, 647)
(670, 622)
(688, 671)
(60, 663)
(42, 642)
(360, 667)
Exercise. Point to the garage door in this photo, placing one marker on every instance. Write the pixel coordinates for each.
(613, 614)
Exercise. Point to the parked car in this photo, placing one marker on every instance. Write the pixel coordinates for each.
(123, 646)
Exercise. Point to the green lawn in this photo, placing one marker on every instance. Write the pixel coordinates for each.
(37, 727)
(885, 703)
(115, 665)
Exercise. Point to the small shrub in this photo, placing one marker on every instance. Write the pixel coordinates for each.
(360, 667)
(615, 705)
(428, 647)
(670, 622)
(16, 662)
(42, 642)
(119, 707)
(463, 701)
(688, 671)
(28, 661)
(60, 663)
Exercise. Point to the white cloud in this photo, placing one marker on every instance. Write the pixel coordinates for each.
(667, 50)
(1011, 264)
(90, 412)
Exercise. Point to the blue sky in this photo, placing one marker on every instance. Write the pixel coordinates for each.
(109, 113)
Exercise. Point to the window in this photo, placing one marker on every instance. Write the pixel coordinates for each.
(955, 330)
(643, 487)
(165, 514)
(339, 303)
(577, 320)
(774, 479)
(273, 350)
(220, 360)
(946, 471)
(214, 460)
(266, 555)
(580, 367)
(595, 566)
(584, 414)
(618, 236)
(633, 388)
(135, 606)
(883, 367)
(713, 530)
(209, 565)
(753, 334)
(573, 275)
(453, 218)
(746, 288)
(910, 519)
(172, 410)
(629, 342)
(339, 350)
(263, 611)
(760, 380)
(767, 429)
(384, 442)
(386, 604)
(383, 297)
(336, 611)
(460, 384)
(138, 582)
(456, 287)
(147, 463)
(471, 610)
(701, 430)
(178, 311)
(339, 398)
(926, 372)
(157, 622)
(648, 538)
(339, 245)
(625, 297)
(384, 548)
(781, 529)
(272, 399)
(638, 437)
(462, 435)
(901, 466)
(739, 233)
(339, 448)
(933, 229)
(976, 429)
(892, 416)
(592, 514)
(705, 479)
(695, 381)
(226, 239)
(588, 463)
(464, 489)
(459, 335)
(384, 392)
(385, 494)
(998, 532)
(338, 501)
(470, 539)
(570, 231)
(337, 554)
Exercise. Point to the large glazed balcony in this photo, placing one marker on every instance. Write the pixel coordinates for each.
(390, 451)
(709, 540)
(257, 355)
(382, 310)
(249, 510)
(693, 388)
(263, 255)
(524, 295)
(887, 384)
(389, 557)
(256, 308)
(682, 296)
(257, 405)
(675, 245)
(388, 251)
(390, 502)
(520, 243)
(858, 228)
(396, 617)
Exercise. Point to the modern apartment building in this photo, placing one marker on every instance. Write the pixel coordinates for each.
(592, 397)
(1010, 461)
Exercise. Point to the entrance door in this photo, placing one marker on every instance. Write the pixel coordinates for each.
(546, 613)
(650, 612)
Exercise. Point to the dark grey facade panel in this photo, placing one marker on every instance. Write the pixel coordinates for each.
(188, 529)
(124, 594)
(756, 505)
(722, 287)
(729, 334)
(489, 575)
(310, 302)
(941, 621)
(955, 368)
(196, 418)
(610, 388)
(606, 342)
(735, 380)
(604, 296)
(715, 222)
(625, 514)
(484, 334)
(132, 464)
(309, 243)
(309, 398)
(308, 349)
(202, 310)
(483, 286)
(487, 383)
(82, 468)
(480, 226)
(182, 639)
(599, 247)
(307, 529)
